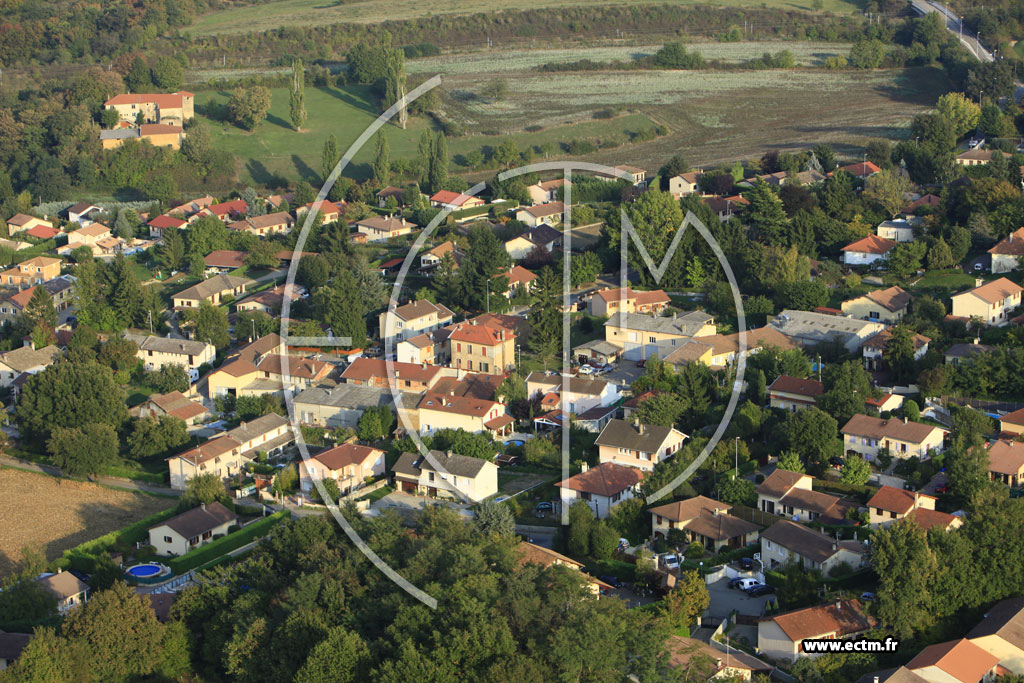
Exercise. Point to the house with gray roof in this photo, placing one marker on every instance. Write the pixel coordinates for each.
(636, 444)
(339, 406)
(191, 529)
(641, 336)
(446, 475)
(809, 329)
(215, 290)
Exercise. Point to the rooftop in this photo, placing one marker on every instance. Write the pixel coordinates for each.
(995, 291)
(606, 479)
(640, 437)
(199, 520)
(960, 659)
(411, 464)
(684, 325)
(808, 543)
(892, 499)
(345, 455)
(899, 430)
(842, 618)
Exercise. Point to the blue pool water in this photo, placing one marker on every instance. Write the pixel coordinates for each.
(144, 570)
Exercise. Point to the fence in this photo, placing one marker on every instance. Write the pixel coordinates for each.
(984, 405)
(753, 515)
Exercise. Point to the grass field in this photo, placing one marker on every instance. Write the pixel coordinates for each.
(53, 515)
(271, 15)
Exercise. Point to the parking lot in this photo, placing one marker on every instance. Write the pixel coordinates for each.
(625, 373)
(724, 599)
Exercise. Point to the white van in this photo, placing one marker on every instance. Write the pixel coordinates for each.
(744, 584)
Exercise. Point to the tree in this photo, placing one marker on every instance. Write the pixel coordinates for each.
(546, 315)
(168, 74)
(40, 309)
(81, 451)
(329, 157)
(381, 162)
(790, 461)
(847, 385)
(906, 567)
(940, 256)
(297, 102)
(171, 252)
(494, 518)
(246, 108)
(69, 395)
(899, 353)
(962, 112)
(341, 657)
(888, 188)
(867, 54)
(663, 409)
(682, 605)
(673, 167)
(340, 306)
(262, 255)
(967, 471)
(814, 435)
(856, 470)
(739, 491)
(603, 540)
(911, 410)
(581, 521)
(437, 167)
(540, 450)
(139, 78)
(125, 224)
(905, 258)
(170, 377)
(150, 437)
(766, 215)
(210, 324)
(375, 423)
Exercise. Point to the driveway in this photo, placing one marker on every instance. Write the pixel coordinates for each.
(408, 504)
(625, 373)
(724, 600)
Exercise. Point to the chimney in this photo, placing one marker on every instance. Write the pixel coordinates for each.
(977, 340)
(640, 427)
(449, 454)
(584, 467)
(978, 282)
(423, 365)
(904, 420)
(202, 505)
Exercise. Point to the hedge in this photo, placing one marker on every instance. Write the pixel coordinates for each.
(857, 490)
(83, 556)
(222, 546)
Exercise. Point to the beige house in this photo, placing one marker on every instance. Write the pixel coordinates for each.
(727, 663)
(866, 436)
(226, 454)
(873, 353)
(192, 529)
(349, 465)
(11, 647)
(214, 290)
(1001, 634)
(978, 156)
(605, 302)
(890, 504)
(264, 366)
(21, 222)
(61, 294)
(637, 444)
(487, 348)
(330, 211)
(879, 305)
(792, 393)
(277, 223)
(788, 542)
(446, 475)
(542, 237)
(1006, 462)
(992, 302)
(956, 660)
(338, 406)
(790, 495)
(601, 487)
(34, 271)
(157, 134)
(705, 521)
(1006, 255)
(446, 199)
(474, 415)
(416, 317)
(155, 107)
(1012, 423)
(897, 230)
(156, 352)
(432, 257)
(407, 377)
(545, 191)
(780, 637)
(172, 404)
(684, 184)
(26, 359)
(69, 590)
(89, 236)
(641, 336)
(637, 176)
(381, 228)
(545, 557)
(533, 216)
(579, 394)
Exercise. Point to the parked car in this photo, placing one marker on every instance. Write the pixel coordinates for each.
(745, 583)
(670, 561)
(759, 590)
(641, 363)
(836, 462)
(611, 580)
(867, 596)
(733, 583)
(586, 370)
(747, 563)
(623, 544)
(978, 267)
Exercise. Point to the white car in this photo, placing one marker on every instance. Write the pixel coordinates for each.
(586, 370)
(670, 561)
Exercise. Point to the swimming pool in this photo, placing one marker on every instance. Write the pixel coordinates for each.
(143, 571)
(147, 572)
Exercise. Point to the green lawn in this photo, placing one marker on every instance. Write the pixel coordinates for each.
(943, 283)
(222, 546)
(275, 152)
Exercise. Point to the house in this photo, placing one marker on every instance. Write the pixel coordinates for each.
(387, 193)
(269, 301)
(787, 542)
(879, 305)
(264, 366)
(732, 664)
(641, 336)
(215, 290)
(482, 347)
(601, 487)
(866, 436)
(381, 228)
(873, 350)
(683, 184)
(21, 222)
(726, 207)
(792, 393)
(16, 245)
(69, 590)
(542, 237)
(446, 475)
(223, 261)
(192, 207)
(34, 271)
(59, 289)
(548, 214)
(885, 403)
(578, 394)
(867, 250)
(416, 317)
(719, 351)
(338, 406)
(809, 329)
(178, 106)
(430, 348)
(475, 415)
(226, 211)
(172, 404)
(433, 257)
(226, 454)
(596, 351)
(11, 646)
(156, 134)
(156, 352)
(40, 232)
(1012, 423)
(330, 211)
(933, 519)
(277, 223)
(1007, 254)
(957, 660)
(958, 352)
(79, 213)
(518, 278)
(637, 444)
(864, 169)
(89, 236)
(1006, 462)
(348, 465)
(408, 377)
(992, 302)
(605, 301)
(890, 504)
(191, 529)
(1001, 634)
(928, 200)
(529, 553)
(453, 201)
(545, 191)
(636, 176)
(791, 494)
(780, 636)
(26, 359)
(165, 222)
(897, 230)
(703, 520)
(978, 157)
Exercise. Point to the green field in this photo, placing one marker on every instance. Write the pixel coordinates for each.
(271, 15)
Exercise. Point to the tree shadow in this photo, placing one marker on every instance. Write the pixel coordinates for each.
(277, 120)
(304, 170)
(263, 176)
(351, 100)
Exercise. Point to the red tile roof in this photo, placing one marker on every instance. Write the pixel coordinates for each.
(872, 244)
(162, 100)
(800, 387)
(896, 500)
(346, 454)
(363, 369)
(606, 479)
(860, 169)
(929, 519)
(225, 258)
(841, 618)
(453, 198)
(458, 405)
(42, 232)
(960, 659)
(167, 222)
(1014, 418)
(480, 334)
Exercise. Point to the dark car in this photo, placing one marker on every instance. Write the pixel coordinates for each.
(759, 590)
(641, 363)
(746, 563)
(611, 580)
(836, 461)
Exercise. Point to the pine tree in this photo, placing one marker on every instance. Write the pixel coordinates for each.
(394, 82)
(438, 166)
(381, 162)
(40, 308)
(546, 316)
(329, 157)
(124, 226)
(446, 281)
(172, 250)
(297, 104)
(126, 293)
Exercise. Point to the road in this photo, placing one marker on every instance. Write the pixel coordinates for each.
(955, 25)
(114, 482)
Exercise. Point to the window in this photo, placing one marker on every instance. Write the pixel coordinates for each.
(430, 476)
(168, 539)
(652, 340)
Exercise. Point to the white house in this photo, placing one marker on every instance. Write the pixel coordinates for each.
(191, 529)
(868, 250)
(602, 487)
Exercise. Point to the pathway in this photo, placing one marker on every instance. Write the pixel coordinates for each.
(115, 482)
